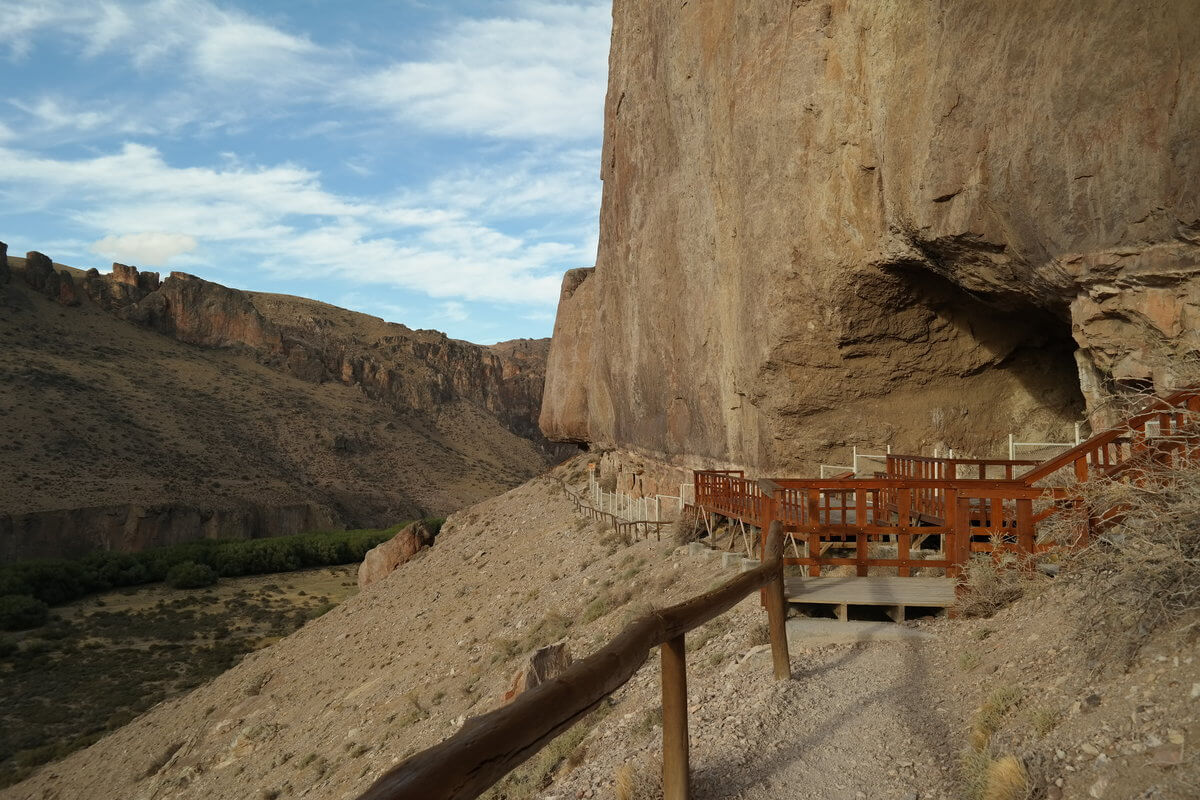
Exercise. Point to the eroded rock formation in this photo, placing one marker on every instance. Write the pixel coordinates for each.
(418, 370)
(829, 223)
(381, 560)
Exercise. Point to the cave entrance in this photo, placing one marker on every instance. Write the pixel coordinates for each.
(973, 367)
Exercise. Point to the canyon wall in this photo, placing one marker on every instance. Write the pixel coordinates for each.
(871, 222)
(140, 412)
(420, 370)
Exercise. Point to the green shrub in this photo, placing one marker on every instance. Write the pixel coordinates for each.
(20, 612)
(57, 581)
(190, 575)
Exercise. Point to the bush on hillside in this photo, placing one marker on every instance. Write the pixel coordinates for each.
(687, 527)
(57, 581)
(20, 612)
(1142, 572)
(190, 575)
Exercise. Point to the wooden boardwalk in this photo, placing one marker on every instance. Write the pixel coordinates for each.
(926, 513)
(893, 593)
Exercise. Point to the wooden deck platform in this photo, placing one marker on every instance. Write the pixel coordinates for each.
(895, 594)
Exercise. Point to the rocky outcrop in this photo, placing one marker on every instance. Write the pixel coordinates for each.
(43, 276)
(4, 271)
(564, 414)
(870, 222)
(545, 664)
(73, 532)
(208, 314)
(381, 560)
(414, 370)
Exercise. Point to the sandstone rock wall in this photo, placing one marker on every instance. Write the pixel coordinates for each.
(417, 370)
(564, 408)
(869, 222)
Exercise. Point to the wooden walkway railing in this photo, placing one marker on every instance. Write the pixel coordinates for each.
(487, 747)
(1165, 430)
(918, 496)
(622, 527)
(975, 516)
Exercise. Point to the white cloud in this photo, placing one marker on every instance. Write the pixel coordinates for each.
(51, 113)
(149, 249)
(539, 74)
(215, 43)
(283, 218)
(454, 310)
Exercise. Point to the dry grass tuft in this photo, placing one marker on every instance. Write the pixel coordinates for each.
(639, 782)
(623, 783)
(1142, 573)
(687, 528)
(992, 715)
(994, 582)
(1006, 780)
(986, 777)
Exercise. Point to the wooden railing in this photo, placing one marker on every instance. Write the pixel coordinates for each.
(932, 468)
(1164, 430)
(489, 746)
(931, 502)
(622, 527)
(974, 505)
(857, 513)
(727, 492)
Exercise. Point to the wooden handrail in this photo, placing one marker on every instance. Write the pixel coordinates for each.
(997, 462)
(487, 747)
(1149, 412)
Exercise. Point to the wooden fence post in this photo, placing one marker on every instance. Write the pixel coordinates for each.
(777, 614)
(675, 724)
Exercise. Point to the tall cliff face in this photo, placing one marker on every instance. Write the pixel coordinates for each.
(828, 223)
(418, 370)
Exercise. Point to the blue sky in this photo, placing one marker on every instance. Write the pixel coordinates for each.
(432, 163)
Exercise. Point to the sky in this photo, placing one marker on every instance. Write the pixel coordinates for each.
(432, 163)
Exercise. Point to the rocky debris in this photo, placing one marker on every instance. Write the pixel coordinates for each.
(907, 256)
(4, 270)
(383, 559)
(545, 663)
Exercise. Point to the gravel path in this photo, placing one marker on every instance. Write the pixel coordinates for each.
(856, 721)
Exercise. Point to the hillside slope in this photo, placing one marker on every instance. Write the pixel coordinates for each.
(401, 665)
(120, 436)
